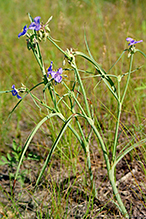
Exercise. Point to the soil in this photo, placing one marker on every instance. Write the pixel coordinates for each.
(62, 190)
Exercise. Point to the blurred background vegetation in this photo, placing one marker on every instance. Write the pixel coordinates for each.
(107, 24)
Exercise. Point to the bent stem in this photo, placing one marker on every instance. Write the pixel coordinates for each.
(110, 170)
(112, 88)
(107, 80)
(121, 206)
(85, 142)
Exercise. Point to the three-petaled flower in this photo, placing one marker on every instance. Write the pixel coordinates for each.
(36, 24)
(15, 92)
(132, 41)
(33, 26)
(56, 75)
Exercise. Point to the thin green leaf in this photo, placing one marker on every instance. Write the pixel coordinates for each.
(141, 52)
(66, 124)
(126, 151)
(63, 119)
(22, 99)
(117, 60)
(107, 80)
(103, 147)
(6, 91)
(87, 45)
(30, 138)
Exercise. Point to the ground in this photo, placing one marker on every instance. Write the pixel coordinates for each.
(62, 191)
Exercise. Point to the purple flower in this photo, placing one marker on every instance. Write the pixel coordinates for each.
(36, 24)
(23, 31)
(50, 69)
(15, 92)
(56, 75)
(132, 41)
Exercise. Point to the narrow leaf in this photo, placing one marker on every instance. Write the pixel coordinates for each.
(66, 124)
(138, 144)
(30, 138)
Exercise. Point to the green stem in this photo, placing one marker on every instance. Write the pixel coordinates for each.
(141, 52)
(103, 147)
(116, 193)
(119, 111)
(37, 52)
(110, 170)
(61, 50)
(116, 132)
(86, 142)
(79, 105)
(87, 153)
(127, 83)
(77, 73)
(38, 57)
(63, 119)
(107, 80)
(82, 89)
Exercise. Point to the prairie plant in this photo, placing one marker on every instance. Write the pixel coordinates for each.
(79, 109)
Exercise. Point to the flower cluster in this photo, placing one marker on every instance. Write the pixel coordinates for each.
(132, 41)
(15, 92)
(56, 75)
(33, 26)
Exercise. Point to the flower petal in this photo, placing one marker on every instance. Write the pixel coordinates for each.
(32, 26)
(37, 19)
(38, 27)
(129, 39)
(23, 31)
(132, 41)
(18, 96)
(49, 69)
(36, 24)
(53, 74)
(140, 41)
(59, 71)
(58, 78)
(14, 92)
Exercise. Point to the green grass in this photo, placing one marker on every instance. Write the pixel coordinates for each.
(106, 34)
(107, 24)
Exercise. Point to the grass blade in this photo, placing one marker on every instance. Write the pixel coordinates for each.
(126, 151)
(107, 80)
(54, 146)
(30, 138)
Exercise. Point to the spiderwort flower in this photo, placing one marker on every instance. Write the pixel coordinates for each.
(24, 31)
(132, 41)
(15, 92)
(50, 69)
(56, 75)
(36, 24)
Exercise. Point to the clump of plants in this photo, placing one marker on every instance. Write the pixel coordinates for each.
(79, 108)
(12, 160)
